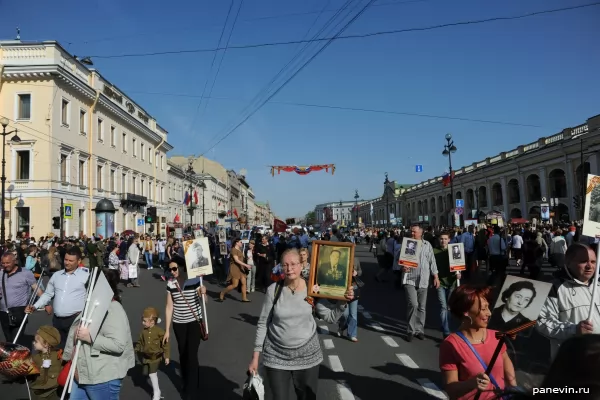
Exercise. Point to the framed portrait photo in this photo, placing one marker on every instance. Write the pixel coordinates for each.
(197, 257)
(591, 219)
(331, 267)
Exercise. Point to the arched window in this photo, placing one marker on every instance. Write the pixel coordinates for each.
(497, 194)
(440, 203)
(432, 204)
(483, 196)
(558, 184)
(470, 200)
(534, 188)
(514, 196)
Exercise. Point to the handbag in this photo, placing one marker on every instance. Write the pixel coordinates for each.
(254, 388)
(483, 364)
(203, 334)
(64, 373)
(13, 320)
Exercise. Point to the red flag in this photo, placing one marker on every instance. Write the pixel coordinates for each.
(235, 212)
(217, 222)
(279, 225)
(195, 197)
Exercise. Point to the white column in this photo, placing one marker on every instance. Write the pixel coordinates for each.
(504, 198)
(523, 196)
(543, 183)
(570, 188)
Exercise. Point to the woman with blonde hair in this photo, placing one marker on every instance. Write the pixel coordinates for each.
(286, 333)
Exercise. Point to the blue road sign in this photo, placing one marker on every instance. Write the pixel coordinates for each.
(460, 203)
(140, 222)
(418, 168)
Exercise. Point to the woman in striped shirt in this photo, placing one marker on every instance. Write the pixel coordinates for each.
(184, 313)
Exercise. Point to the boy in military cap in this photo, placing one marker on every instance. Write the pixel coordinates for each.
(151, 348)
(48, 359)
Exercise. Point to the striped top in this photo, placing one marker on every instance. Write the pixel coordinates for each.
(181, 311)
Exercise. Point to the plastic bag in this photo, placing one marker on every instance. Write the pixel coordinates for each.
(254, 388)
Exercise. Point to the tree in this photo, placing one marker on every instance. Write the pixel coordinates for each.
(310, 218)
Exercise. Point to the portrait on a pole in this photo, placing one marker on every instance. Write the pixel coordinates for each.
(197, 257)
(519, 303)
(591, 217)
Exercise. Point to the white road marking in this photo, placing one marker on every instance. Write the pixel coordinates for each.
(360, 308)
(366, 315)
(376, 326)
(431, 388)
(407, 361)
(324, 329)
(344, 391)
(328, 344)
(389, 341)
(335, 364)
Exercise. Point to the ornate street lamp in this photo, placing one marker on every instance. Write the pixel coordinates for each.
(15, 139)
(450, 148)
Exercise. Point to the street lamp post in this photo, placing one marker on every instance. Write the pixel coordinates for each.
(192, 206)
(356, 196)
(387, 201)
(450, 148)
(15, 139)
(230, 209)
(340, 214)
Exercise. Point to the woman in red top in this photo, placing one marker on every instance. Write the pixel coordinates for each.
(463, 373)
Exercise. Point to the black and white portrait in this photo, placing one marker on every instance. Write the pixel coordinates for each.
(197, 257)
(456, 255)
(594, 200)
(520, 302)
(411, 247)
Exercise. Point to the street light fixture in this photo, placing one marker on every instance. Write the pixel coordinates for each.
(450, 148)
(192, 207)
(387, 200)
(356, 196)
(15, 139)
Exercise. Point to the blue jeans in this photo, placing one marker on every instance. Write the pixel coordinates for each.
(349, 320)
(101, 391)
(161, 257)
(148, 258)
(443, 294)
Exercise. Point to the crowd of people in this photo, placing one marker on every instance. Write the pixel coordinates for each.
(286, 338)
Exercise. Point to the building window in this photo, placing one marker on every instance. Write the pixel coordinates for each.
(134, 144)
(63, 168)
(65, 112)
(142, 187)
(162, 194)
(162, 163)
(142, 151)
(124, 142)
(113, 136)
(81, 172)
(150, 191)
(123, 183)
(23, 159)
(134, 186)
(24, 106)
(99, 177)
(150, 155)
(100, 129)
(82, 122)
(112, 180)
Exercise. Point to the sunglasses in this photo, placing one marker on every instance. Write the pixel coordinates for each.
(174, 269)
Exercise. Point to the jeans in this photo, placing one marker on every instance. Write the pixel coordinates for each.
(148, 258)
(349, 319)
(251, 279)
(443, 294)
(161, 257)
(101, 391)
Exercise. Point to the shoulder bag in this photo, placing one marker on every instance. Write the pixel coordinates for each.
(483, 364)
(203, 334)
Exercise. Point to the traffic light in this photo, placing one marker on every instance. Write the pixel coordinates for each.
(56, 222)
(151, 215)
(577, 202)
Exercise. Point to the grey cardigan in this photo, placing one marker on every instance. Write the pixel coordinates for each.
(111, 355)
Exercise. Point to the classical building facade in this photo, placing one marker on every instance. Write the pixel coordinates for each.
(386, 210)
(263, 214)
(82, 140)
(514, 183)
(340, 213)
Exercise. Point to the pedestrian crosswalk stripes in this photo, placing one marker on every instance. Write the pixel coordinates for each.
(335, 364)
(328, 344)
(389, 341)
(431, 388)
(407, 361)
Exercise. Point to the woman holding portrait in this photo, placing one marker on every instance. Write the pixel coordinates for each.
(463, 373)
(286, 333)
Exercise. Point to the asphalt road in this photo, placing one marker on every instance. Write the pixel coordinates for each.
(381, 365)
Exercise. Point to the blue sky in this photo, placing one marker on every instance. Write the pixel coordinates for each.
(541, 71)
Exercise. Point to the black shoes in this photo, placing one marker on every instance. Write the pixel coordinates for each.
(420, 336)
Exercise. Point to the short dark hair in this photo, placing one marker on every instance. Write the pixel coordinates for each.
(74, 251)
(578, 253)
(515, 287)
(464, 296)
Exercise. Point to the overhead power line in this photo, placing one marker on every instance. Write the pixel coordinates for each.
(358, 109)
(355, 36)
(288, 80)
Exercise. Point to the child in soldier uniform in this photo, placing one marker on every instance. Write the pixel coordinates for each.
(48, 359)
(151, 348)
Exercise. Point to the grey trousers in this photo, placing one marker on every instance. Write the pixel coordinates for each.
(416, 301)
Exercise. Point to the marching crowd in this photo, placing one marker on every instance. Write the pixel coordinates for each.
(286, 330)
